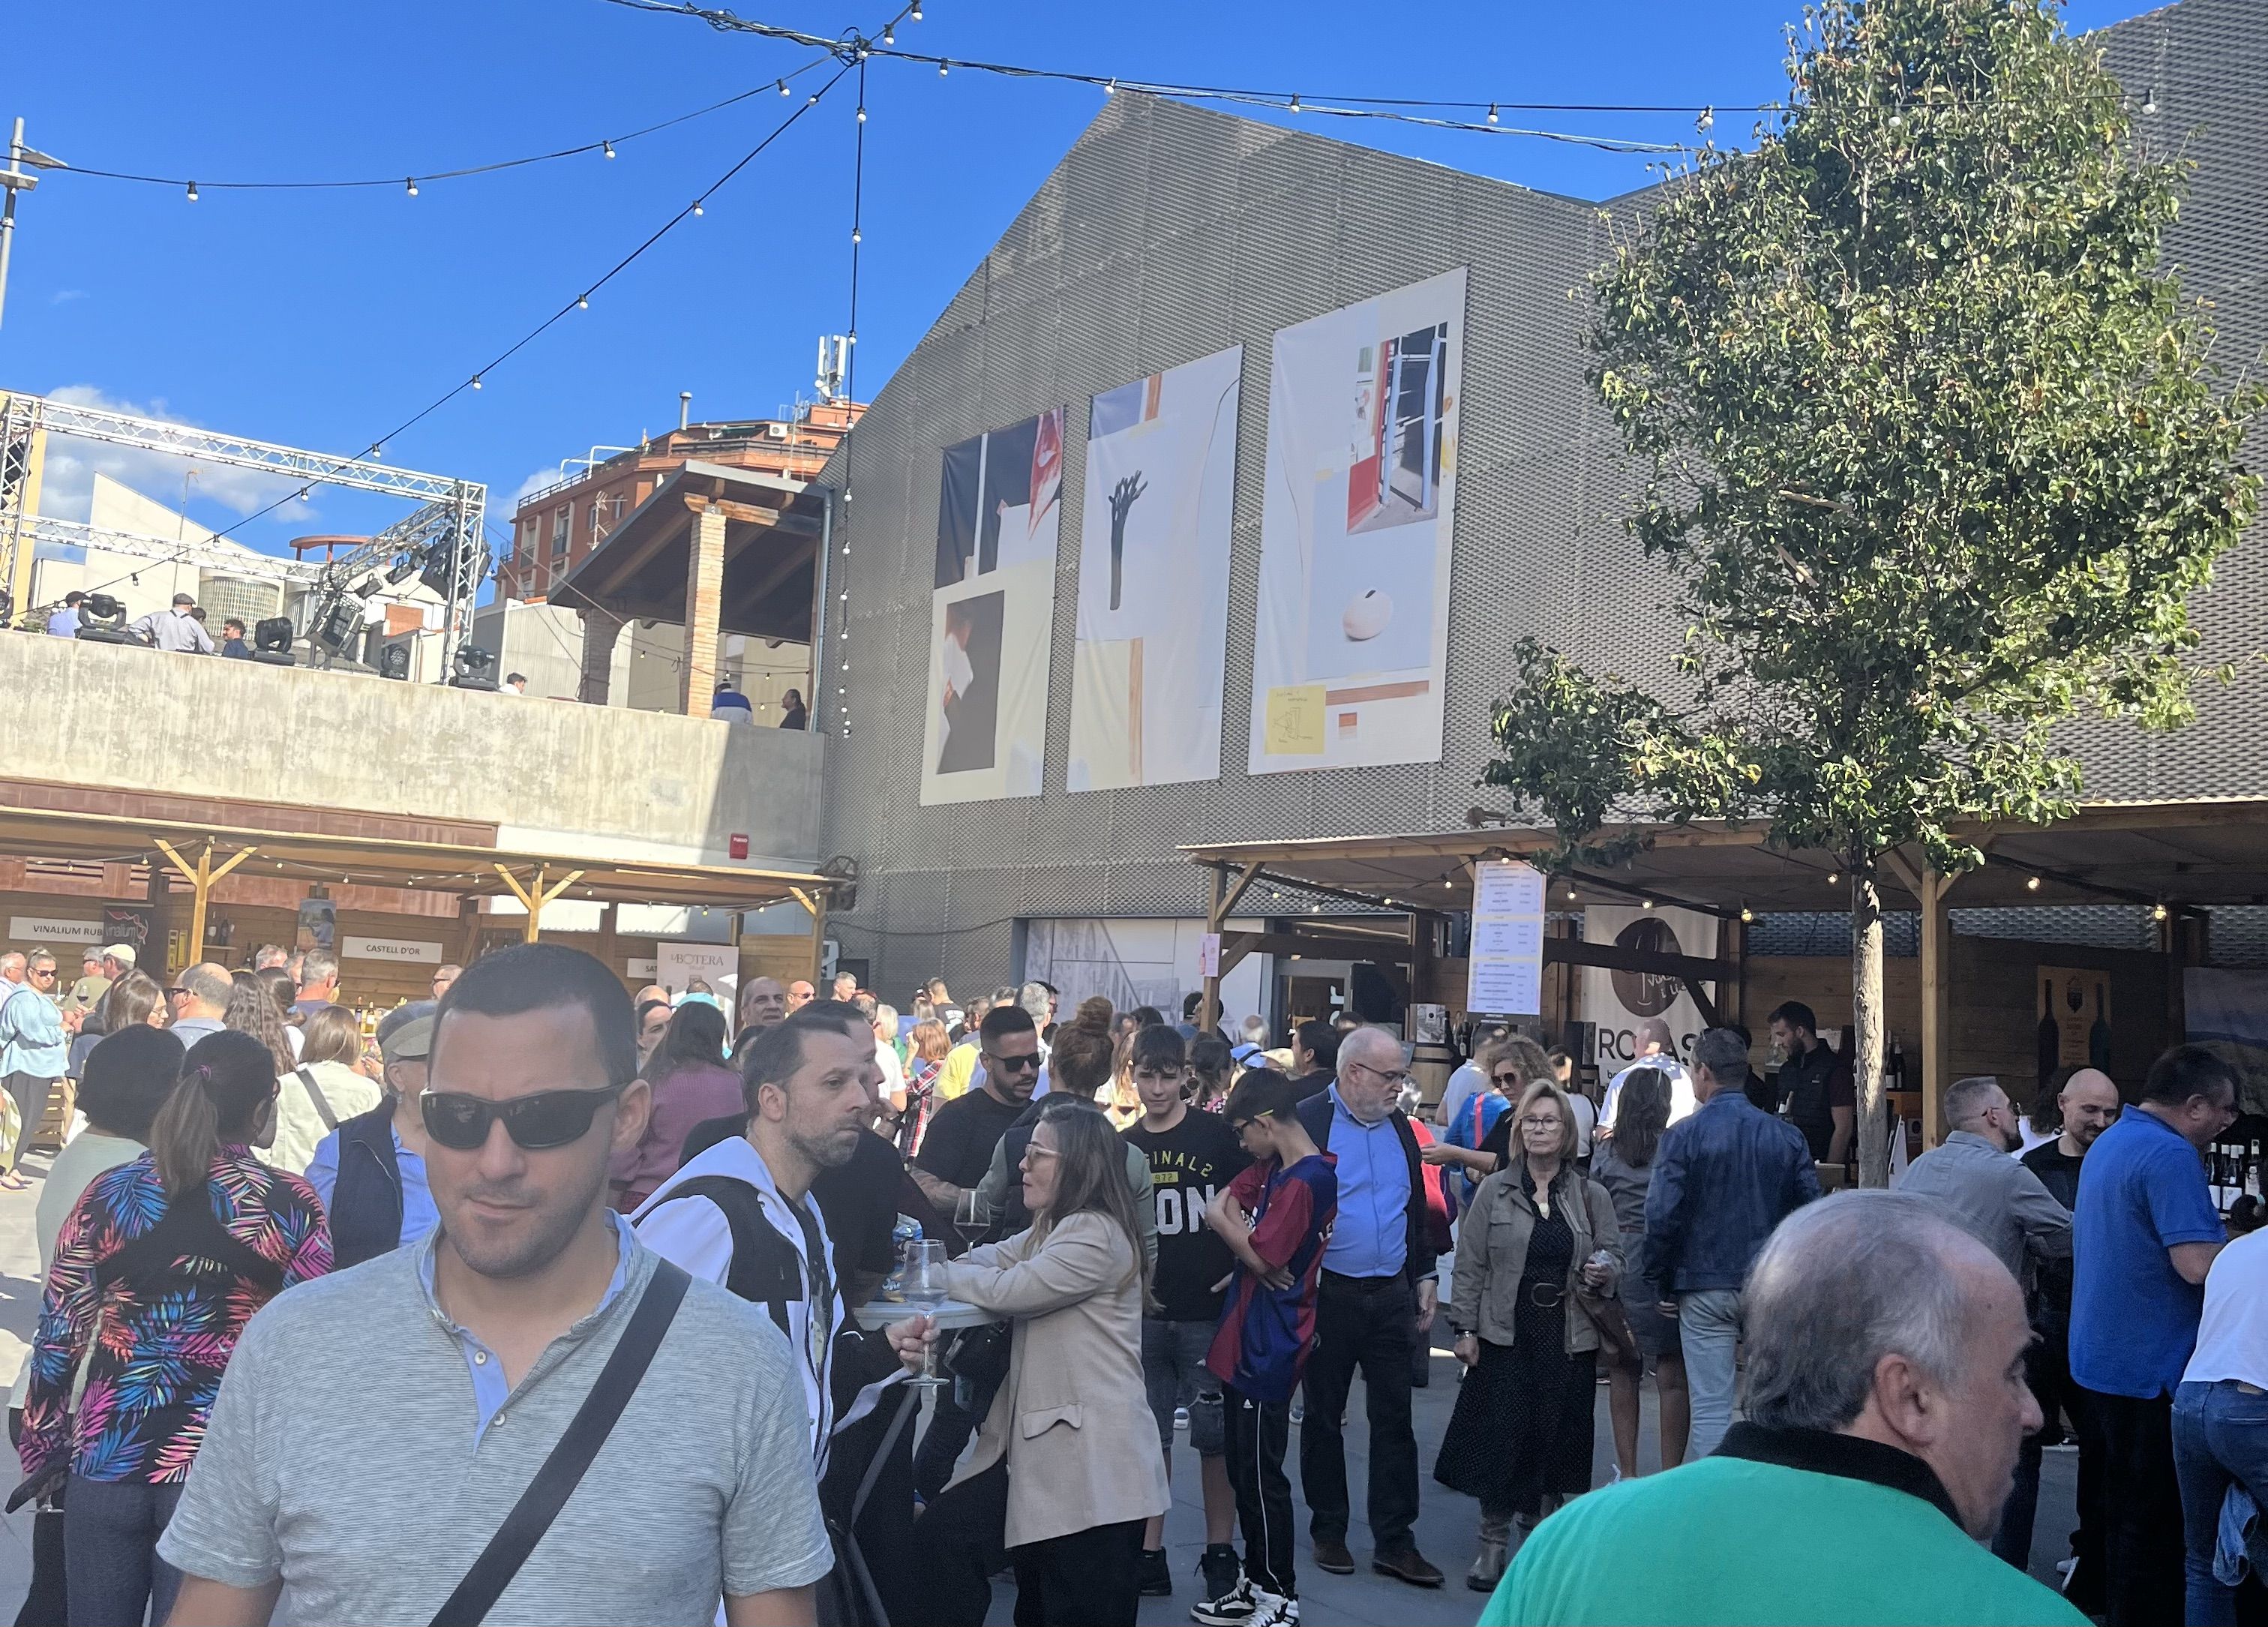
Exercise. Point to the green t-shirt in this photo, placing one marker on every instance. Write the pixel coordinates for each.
(1733, 1539)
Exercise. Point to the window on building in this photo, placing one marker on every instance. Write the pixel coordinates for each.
(563, 529)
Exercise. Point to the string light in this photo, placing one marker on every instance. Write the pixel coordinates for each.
(862, 116)
(193, 192)
(1649, 904)
(697, 206)
(2031, 884)
(782, 88)
(889, 33)
(1833, 877)
(1747, 914)
(609, 148)
(582, 302)
(1491, 113)
(476, 381)
(942, 67)
(1701, 126)
(915, 12)
(2158, 913)
(1294, 107)
(412, 184)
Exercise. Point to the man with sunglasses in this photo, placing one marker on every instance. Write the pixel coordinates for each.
(406, 1407)
(957, 1148)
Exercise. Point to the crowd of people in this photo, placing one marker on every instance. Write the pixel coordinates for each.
(613, 1249)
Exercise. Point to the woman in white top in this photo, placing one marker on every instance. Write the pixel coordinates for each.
(2220, 1417)
(325, 1089)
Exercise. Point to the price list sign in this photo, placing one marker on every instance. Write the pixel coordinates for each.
(1507, 975)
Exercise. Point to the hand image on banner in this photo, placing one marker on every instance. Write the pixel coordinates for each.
(1153, 578)
(1358, 501)
(992, 613)
(1617, 1001)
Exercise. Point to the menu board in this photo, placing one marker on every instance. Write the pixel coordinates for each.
(1506, 969)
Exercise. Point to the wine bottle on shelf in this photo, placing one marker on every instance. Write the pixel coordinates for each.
(1895, 1069)
(2253, 1172)
(2098, 1035)
(2051, 1037)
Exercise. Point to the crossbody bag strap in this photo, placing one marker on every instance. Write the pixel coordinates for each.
(315, 1094)
(562, 1471)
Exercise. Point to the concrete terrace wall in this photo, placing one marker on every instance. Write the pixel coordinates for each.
(553, 777)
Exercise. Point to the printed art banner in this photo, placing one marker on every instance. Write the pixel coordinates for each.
(2227, 1011)
(1617, 1002)
(999, 514)
(1351, 630)
(1153, 578)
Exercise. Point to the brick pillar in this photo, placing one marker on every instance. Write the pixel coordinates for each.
(601, 629)
(704, 587)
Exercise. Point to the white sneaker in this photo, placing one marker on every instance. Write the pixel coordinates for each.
(1238, 1607)
(1274, 1611)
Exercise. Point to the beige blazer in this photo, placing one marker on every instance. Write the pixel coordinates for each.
(1071, 1418)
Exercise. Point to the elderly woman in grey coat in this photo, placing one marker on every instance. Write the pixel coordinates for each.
(1538, 1238)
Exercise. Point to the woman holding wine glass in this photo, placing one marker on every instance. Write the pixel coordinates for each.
(1066, 1466)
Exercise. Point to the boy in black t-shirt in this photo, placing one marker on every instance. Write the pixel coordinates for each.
(1192, 1156)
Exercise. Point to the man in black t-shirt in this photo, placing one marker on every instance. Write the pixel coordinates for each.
(1314, 1058)
(2089, 1103)
(1192, 1157)
(957, 1148)
(1814, 1082)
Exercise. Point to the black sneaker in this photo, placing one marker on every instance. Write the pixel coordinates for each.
(1157, 1579)
(1221, 1569)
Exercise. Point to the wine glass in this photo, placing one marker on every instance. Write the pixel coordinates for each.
(925, 1290)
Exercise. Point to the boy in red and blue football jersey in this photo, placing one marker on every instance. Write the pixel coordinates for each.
(1276, 1217)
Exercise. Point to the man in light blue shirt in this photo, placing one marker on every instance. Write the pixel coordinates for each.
(64, 623)
(175, 629)
(363, 1224)
(1372, 1308)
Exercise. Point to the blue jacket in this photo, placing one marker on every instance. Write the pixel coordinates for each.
(32, 1038)
(1722, 1180)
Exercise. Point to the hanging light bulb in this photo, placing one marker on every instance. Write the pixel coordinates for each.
(784, 90)
(2158, 913)
(941, 69)
(609, 148)
(193, 192)
(862, 116)
(889, 33)
(1649, 904)
(476, 381)
(1491, 113)
(1110, 88)
(1747, 914)
(855, 237)
(2150, 108)
(582, 302)
(697, 206)
(1833, 877)
(914, 13)
(1295, 102)
(2031, 884)
(412, 184)
(1708, 118)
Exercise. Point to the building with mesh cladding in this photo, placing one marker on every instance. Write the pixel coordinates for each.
(1170, 232)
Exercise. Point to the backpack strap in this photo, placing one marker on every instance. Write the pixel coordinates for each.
(766, 1268)
(315, 1094)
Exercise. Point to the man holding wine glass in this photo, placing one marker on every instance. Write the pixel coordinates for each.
(741, 1213)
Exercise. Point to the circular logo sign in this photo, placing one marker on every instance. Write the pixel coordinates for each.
(1647, 994)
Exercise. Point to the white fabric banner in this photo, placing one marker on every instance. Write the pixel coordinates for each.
(1351, 628)
(1617, 1002)
(1153, 578)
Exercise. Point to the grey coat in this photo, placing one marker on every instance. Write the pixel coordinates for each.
(1492, 1251)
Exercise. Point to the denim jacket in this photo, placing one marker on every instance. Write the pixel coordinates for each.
(1722, 1180)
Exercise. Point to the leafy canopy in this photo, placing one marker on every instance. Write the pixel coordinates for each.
(1934, 449)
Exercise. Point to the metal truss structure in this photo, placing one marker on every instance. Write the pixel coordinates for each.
(441, 539)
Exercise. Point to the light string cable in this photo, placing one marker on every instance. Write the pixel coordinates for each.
(850, 394)
(1452, 114)
(845, 56)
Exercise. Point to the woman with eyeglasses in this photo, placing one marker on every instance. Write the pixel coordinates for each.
(169, 1254)
(1624, 1164)
(134, 1000)
(1537, 1237)
(1477, 1138)
(34, 1051)
(1066, 1468)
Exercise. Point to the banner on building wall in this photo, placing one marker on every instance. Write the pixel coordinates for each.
(999, 515)
(1351, 631)
(676, 966)
(1137, 962)
(406, 951)
(1617, 1002)
(46, 931)
(2226, 1012)
(1153, 578)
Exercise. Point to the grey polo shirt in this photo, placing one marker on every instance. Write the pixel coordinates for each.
(345, 1456)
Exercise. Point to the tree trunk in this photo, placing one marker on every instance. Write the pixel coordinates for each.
(1873, 1116)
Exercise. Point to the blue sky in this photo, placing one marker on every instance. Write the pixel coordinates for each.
(321, 320)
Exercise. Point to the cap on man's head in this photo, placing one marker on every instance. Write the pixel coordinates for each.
(185, 599)
(123, 954)
(412, 1042)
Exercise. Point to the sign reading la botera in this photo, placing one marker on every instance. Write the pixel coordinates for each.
(407, 950)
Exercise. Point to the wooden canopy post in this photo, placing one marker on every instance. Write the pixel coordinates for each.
(1936, 1003)
(1225, 897)
(815, 905)
(201, 878)
(536, 895)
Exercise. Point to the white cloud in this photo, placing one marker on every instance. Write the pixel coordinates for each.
(548, 475)
(64, 296)
(72, 463)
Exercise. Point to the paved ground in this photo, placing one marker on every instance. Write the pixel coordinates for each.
(1446, 1524)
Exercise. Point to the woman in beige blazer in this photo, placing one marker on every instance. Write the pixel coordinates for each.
(1067, 1459)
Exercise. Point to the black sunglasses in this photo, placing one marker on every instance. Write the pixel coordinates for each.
(547, 1118)
(1013, 1064)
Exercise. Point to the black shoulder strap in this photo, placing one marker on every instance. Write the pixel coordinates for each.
(315, 1094)
(766, 1268)
(562, 1471)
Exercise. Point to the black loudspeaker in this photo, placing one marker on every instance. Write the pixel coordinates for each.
(338, 628)
(476, 669)
(102, 620)
(394, 662)
(272, 640)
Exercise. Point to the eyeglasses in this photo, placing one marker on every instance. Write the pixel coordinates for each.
(1398, 1079)
(50, 971)
(1507, 1079)
(1035, 1149)
(1011, 1064)
(1539, 1124)
(544, 1119)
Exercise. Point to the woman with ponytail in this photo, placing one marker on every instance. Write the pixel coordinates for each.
(169, 1255)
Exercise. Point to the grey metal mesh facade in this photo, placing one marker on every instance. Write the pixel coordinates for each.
(1169, 232)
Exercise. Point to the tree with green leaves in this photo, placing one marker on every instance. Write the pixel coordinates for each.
(1934, 453)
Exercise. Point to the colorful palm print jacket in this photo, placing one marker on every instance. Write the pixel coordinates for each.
(154, 1353)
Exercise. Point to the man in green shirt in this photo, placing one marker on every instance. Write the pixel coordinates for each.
(1886, 1402)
